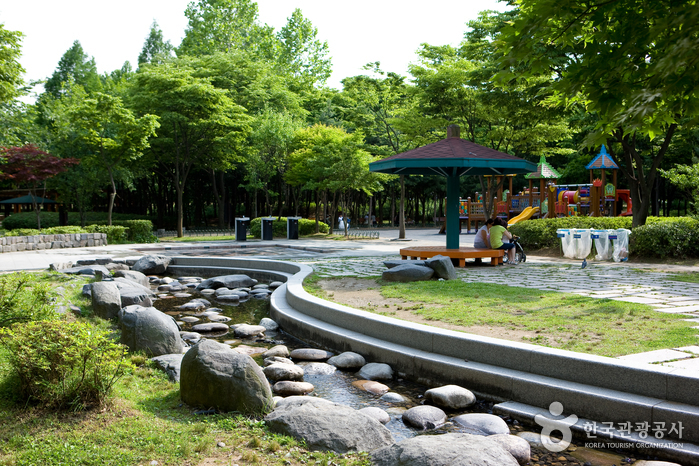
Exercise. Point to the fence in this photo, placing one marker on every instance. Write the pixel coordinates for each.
(359, 234)
(208, 232)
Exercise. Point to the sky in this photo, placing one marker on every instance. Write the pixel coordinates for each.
(357, 32)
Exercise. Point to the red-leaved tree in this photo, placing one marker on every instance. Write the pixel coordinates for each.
(31, 166)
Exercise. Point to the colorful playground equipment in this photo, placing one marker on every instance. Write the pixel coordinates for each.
(525, 215)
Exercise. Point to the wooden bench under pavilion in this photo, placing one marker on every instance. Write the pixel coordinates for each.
(460, 255)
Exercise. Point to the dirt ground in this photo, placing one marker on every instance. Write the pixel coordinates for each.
(362, 293)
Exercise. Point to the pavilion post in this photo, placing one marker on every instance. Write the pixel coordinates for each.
(453, 221)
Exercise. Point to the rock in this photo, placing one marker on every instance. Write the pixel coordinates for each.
(517, 446)
(247, 331)
(207, 291)
(134, 276)
(490, 424)
(215, 376)
(319, 368)
(425, 417)
(151, 264)
(444, 450)
(191, 306)
(87, 270)
(376, 371)
(370, 386)
(407, 273)
(170, 364)
(189, 319)
(442, 266)
(279, 350)
(393, 397)
(87, 290)
(291, 388)
(133, 293)
(347, 360)
(190, 337)
(106, 300)
(211, 327)
(324, 425)
(181, 295)
(276, 359)
(260, 286)
(149, 330)
(249, 350)
(269, 324)
(397, 262)
(310, 354)
(113, 267)
(280, 371)
(218, 318)
(533, 438)
(222, 291)
(227, 281)
(275, 284)
(654, 463)
(60, 266)
(229, 297)
(377, 413)
(450, 397)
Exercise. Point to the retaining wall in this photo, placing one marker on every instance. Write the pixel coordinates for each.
(37, 242)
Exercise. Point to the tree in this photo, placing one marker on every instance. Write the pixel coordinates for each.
(200, 125)
(74, 66)
(686, 177)
(10, 69)
(155, 49)
(632, 63)
(301, 53)
(28, 164)
(113, 135)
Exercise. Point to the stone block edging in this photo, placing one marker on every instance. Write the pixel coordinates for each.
(39, 242)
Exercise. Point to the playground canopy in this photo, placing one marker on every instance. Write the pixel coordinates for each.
(452, 158)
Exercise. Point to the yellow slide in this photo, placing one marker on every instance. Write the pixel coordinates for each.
(525, 215)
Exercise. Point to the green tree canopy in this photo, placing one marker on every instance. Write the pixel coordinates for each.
(74, 66)
(155, 49)
(10, 69)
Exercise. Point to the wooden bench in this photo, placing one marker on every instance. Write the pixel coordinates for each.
(460, 254)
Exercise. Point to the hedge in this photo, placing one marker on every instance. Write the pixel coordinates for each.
(306, 227)
(676, 237)
(50, 219)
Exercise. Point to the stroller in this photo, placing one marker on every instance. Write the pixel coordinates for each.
(520, 256)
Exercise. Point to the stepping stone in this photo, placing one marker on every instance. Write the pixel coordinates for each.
(211, 327)
(310, 354)
(691, 349)
(371, 386)
(650, 357)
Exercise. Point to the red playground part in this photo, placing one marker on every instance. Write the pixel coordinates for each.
(624, 195)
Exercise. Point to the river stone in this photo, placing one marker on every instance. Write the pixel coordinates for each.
(113, 267)
(425, 417)
(275, 284)
(260, 286)
(207, 291)
(164, 287)
(393, 397)
(87, 270)
(376, 371)
(324, 425)
(165, 280)
(407, 273)
(211, 327)
(488, 423)
(444, 450)
(276, 359)
(269, 324)
(222, 291)
(190, 337)
(106, 300)
(151, 264)
(396, 262)
(189, 319)
(134, 276)
(170, 364)
(249, 350)
(377, 413)
(450, 397)
(280, 371)
(215, 376)
(517, 446)
(654, 463)
(60, 266)
(242, 293)
(292, 388)
(182, 295)
(229, 297)
(310, 354)
(442, 266)
(279, 350)
(319, 368)
(227, 281)
(218, 318)
(149, 330)
(247, 331)
(533, 438)
(87, 290)
(348, 360)
(371, 386)
(191, 306)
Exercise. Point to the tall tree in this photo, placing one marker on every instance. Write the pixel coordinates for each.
(301, 53)
(155, 49)
(630, 62)
(10, 69)
(74, 66)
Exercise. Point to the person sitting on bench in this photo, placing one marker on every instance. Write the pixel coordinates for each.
(482, 240)
(497, 235)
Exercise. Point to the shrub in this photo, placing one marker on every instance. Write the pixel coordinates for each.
(115, 234)
(23, 299)
(306, 227)
(678, 238)
(139, 231)
(50, 219)
(63, 365)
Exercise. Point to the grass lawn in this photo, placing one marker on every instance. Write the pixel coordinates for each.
(689, 277)
(598, 326)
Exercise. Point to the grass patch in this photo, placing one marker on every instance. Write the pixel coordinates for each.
(688, 277)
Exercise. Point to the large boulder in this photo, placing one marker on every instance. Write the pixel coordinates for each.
(152, 264)
(489, 424)
(227, 281)
(215, 376)
(517, 446)
(425, 417)
(149, 330)
(106, 299)
(444, 450)
(408, 273)
(450, 397)
(87, 270)
(398, 262)
(132, 293)
(324, 425)
(134, 276)
(442, 266)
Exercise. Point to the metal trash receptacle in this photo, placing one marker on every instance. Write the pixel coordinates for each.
(267, 229)
(241, 228)
(292, 227)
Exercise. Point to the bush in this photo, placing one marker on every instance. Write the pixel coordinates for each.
(678, 238)
(538, 234)
(306, 227)
(115, 234)
(23, 299)
(63, 365)
(50, 219)
(139, 231)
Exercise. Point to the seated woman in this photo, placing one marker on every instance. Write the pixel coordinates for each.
(482, 240)
(498, 233)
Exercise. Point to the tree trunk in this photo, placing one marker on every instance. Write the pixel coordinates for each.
(489, 202)
(401, 213)
(112, 195)
(220, 197)
(317, 211)
(180, 211)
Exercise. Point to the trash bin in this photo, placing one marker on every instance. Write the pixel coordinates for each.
(241, 228)
(582, 242)
(292, 227)
(620, 244)
(602, 244)
(267, 230)
(566, 237)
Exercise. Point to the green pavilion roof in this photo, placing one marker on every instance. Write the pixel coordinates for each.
(544, 170)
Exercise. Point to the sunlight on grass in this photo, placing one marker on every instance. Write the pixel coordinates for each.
(688, 277)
